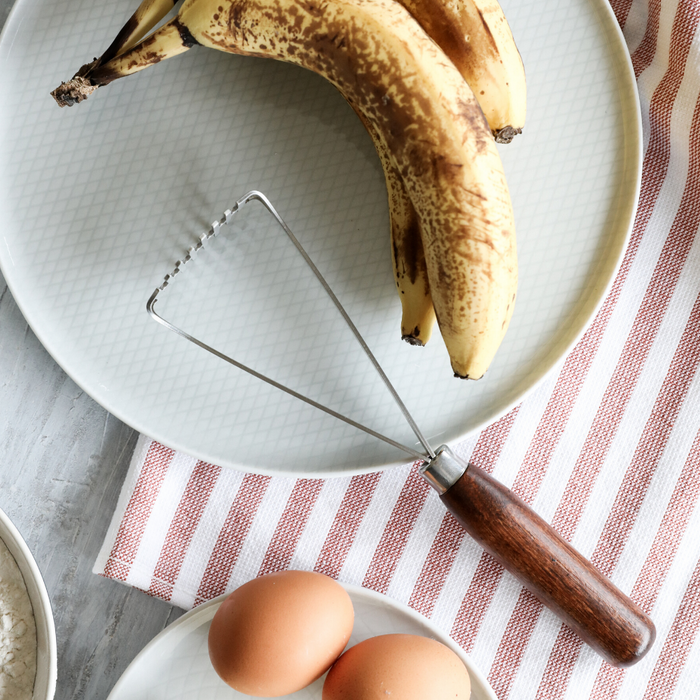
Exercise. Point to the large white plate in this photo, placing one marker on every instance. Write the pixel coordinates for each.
(98, 201)
(176, 665)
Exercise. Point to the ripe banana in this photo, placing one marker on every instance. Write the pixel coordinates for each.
(407, 256)
(148, 14)
(424, 116)
(408, 259)
(408, 262)
(476, 37)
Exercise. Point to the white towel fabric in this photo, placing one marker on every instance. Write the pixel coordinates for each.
(607, 449)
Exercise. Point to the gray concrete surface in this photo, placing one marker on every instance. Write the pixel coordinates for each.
(62, 462)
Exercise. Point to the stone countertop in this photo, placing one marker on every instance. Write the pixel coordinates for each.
(62, 462)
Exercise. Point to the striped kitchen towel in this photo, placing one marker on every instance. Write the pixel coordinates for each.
(607, 449)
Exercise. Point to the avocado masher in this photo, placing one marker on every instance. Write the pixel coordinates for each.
(503, 524)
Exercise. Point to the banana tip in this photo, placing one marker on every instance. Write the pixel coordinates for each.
(73, 91)
(506, 134)
(412, 340)
(466, 376)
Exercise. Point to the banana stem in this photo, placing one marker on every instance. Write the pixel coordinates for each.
(171, 39)
(148, 14)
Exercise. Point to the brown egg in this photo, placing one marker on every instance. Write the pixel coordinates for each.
(276, 634)
(401, 666)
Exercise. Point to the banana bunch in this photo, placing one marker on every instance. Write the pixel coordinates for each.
(410, 70)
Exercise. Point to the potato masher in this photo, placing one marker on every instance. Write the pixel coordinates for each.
(506, 527)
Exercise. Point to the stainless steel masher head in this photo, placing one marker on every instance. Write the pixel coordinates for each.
(494, 516)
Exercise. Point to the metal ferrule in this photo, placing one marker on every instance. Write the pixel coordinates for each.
(443, 470)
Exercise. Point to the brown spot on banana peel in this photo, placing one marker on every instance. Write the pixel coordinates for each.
(235, 16)
(478, 121)
(408, 252)
(466, 376)
(188, 39)
(487, 31)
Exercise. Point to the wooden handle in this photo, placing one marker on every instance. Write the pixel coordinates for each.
(604, 617)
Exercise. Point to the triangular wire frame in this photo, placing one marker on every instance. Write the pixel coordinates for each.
(215, 228)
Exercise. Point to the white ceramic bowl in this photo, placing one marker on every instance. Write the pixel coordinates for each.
(46, 664)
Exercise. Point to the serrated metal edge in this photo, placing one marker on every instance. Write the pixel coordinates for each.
(193, 250)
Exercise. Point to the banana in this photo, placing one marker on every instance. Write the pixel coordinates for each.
(407, 257)
(148, 14)
(408, 262)
(425, 117)
(475, 36)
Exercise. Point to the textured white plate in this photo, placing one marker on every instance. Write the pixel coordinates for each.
(176, 665)
(98, 201)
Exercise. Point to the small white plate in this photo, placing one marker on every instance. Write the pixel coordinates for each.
(175, 665)
(46, 656)
(98, 201)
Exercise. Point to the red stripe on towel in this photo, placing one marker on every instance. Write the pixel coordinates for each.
(346, 523)
(233, 533)
(138, 511)
(291, 525)
(659, 560)
(182, 528)
(679, 640)
(397, 531)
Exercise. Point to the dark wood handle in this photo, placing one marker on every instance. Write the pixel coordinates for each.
(604, 617)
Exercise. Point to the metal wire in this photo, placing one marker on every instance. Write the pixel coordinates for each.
(213, 231)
